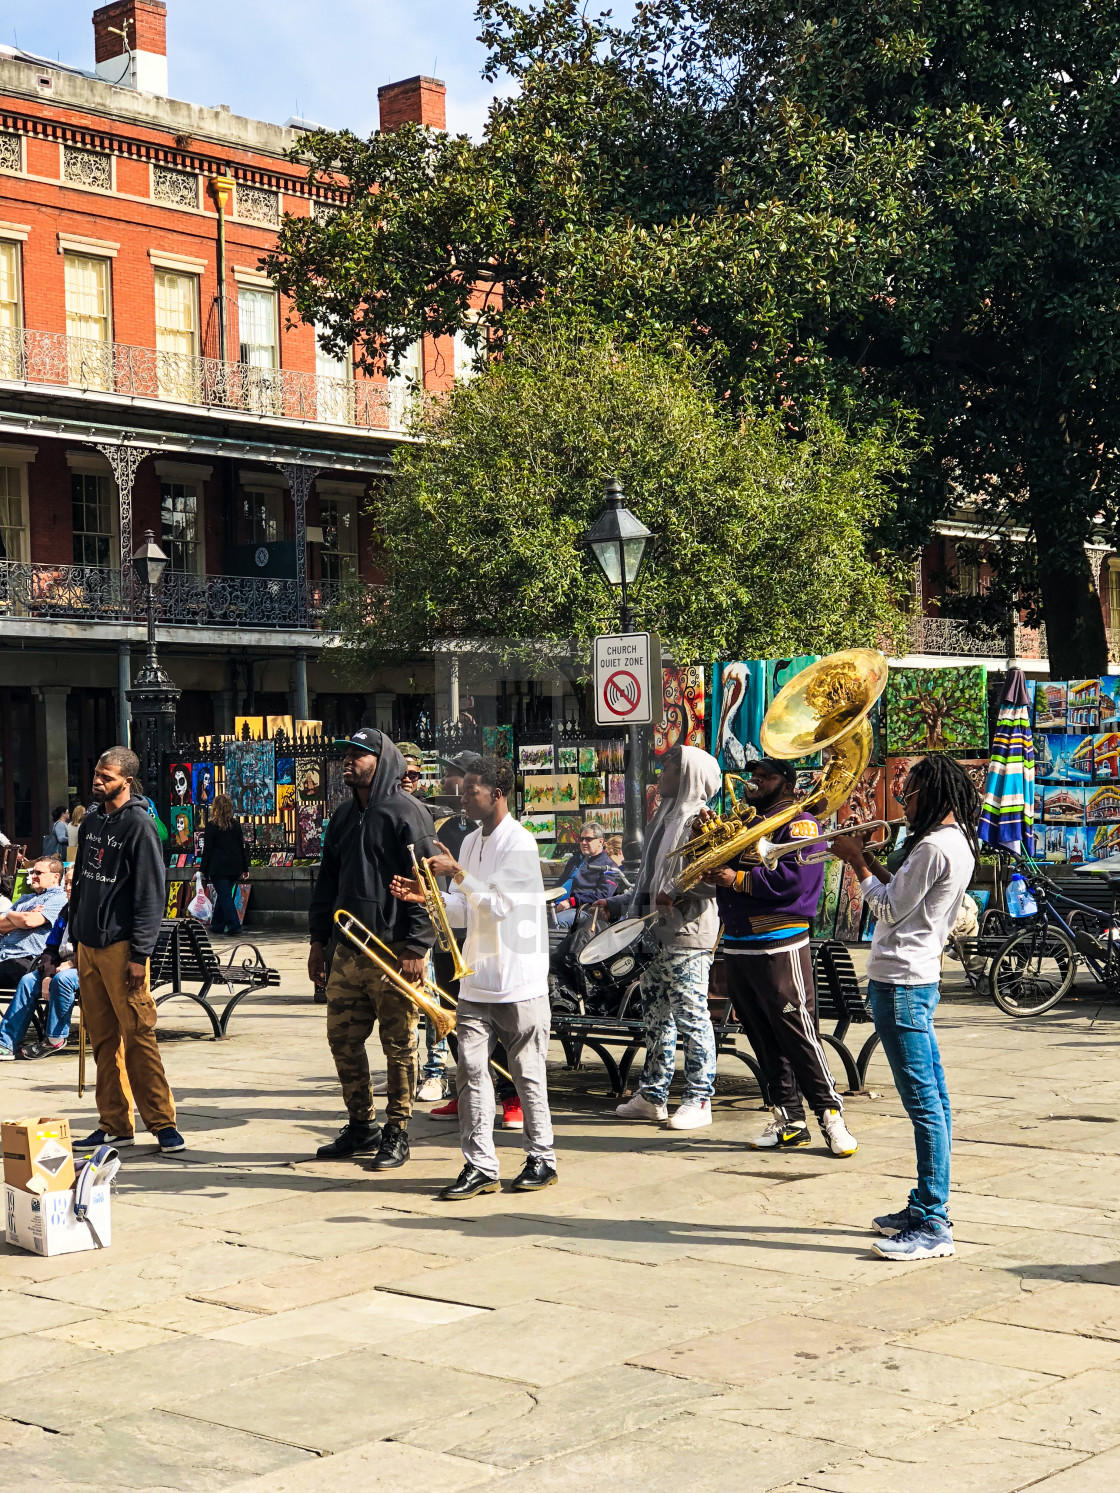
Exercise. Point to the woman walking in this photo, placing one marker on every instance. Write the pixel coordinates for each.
(223, 862)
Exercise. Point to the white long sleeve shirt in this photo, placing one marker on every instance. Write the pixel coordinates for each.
(914, 913)
(500, 901)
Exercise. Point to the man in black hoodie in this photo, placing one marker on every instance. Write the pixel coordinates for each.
(365, 846)
(116, 911)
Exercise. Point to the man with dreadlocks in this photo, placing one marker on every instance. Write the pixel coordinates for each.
(914, 909)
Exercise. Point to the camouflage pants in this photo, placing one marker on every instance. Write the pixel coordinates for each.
(358, 995)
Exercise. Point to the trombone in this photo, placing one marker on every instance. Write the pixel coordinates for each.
(436, 909)
(769, 853)
(425, 995)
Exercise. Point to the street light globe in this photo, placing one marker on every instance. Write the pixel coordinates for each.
(149, 562)
(617, 539)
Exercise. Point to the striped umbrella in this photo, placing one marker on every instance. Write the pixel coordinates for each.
(1007, 816)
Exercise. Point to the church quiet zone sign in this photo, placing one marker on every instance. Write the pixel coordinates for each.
(626, 665)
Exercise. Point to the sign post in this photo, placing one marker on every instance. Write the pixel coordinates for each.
(627, 669)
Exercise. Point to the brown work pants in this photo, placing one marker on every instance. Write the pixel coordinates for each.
(121, 1025)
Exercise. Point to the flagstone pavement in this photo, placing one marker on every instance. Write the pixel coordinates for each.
(679, 1313)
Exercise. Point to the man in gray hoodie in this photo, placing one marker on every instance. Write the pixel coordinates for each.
(674, 986)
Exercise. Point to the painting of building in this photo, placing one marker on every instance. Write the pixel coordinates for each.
(1110, 703)
(1063, 805)
(1063, 759)
(1106, 757)
(1103, 805)
(1049, 706)
(1083, 705)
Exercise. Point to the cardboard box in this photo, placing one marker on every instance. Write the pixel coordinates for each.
(46, 1225)
(38, 1155)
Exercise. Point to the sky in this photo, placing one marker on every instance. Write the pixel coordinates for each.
(323, 60)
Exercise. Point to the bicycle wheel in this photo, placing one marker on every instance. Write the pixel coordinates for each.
(1032, 971)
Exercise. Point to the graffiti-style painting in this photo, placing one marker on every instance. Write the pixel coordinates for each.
(251, 776)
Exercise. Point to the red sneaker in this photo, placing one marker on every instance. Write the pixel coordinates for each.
(512, 1116)
(448, 1111)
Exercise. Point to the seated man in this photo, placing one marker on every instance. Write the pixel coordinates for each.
(23, 930)
(57, 967)
(591, 876)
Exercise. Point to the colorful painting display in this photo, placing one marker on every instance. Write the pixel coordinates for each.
(277, 724)
(588, 759)
(1049, 705)
(182, 831)
(202, 784)
(535, 758)
(592, 790)
(285, 797)
(551, 793)
(567, 831)
(1083, 704)
(567, 759)
(1062, 759)
(182, 783)
(937, 710)
(1062, 804)
(613, 821)
(616, 788)
(497, 741)
(1102, 805)
(251, 776)
(248, 727)
(1110, 703)
(309, 831)
(738, 705)
(310, 782)
(868, 799)
(540, 826)
(683, 720)
(285, 770)
(1106, 757)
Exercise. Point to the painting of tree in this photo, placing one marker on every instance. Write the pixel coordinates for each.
(937, 710)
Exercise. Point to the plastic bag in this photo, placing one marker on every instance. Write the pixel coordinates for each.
(200, 905)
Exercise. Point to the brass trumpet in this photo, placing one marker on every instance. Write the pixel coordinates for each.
(770, 854)
(436, 909)
(433, 1002)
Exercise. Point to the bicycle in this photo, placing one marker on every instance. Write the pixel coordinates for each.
(1038, 964)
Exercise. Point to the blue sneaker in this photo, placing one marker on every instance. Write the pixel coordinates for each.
(170, 1140)
(928, 1240)
(891, 1224)
(103, 1138)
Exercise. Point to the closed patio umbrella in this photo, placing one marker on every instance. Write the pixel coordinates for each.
(1007, 815)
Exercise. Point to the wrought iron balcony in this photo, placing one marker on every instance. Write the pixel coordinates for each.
(90, 593)
(53, 359)
(951, 636)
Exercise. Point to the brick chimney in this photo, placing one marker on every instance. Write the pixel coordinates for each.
(413, 101)
(138, 58)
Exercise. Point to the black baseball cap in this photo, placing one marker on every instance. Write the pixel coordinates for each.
(775, 765)
(463, 762)
(368, 739)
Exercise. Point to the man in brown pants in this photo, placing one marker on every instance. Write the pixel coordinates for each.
(365, 846)
(116, 910)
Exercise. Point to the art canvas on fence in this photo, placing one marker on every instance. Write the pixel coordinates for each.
(738, 704)
(251, 776)
(682, 722)
(1049, 706)
(937, 710)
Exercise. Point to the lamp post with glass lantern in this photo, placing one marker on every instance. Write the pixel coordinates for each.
(154, 695)
(619, 542)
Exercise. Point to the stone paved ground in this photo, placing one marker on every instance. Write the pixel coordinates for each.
(679, 1313)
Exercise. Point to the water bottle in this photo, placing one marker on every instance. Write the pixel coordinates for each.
(1020, 898)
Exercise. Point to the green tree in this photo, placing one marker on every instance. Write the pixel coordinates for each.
(913, 202)
(761, 542)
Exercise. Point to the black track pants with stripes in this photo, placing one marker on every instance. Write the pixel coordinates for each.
(775, 1002)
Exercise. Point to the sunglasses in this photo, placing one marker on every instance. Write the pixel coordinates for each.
(413, 772)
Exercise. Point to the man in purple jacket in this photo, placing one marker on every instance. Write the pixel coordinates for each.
(766, 917)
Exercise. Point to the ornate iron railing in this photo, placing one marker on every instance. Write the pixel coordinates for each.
(143, 372)
(93, 593)
(951, 635)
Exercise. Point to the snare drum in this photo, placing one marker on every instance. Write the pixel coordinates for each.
(618, 954)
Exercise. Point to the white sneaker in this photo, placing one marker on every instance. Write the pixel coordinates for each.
(638, 1107)
(837, 1137)
(430, 1090)
(781, 1133)
(692, 1115)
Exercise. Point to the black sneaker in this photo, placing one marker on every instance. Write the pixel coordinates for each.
(103, 1138)
(393, 1151)
(535, 1174)
(352, 1138)
(470, 1183)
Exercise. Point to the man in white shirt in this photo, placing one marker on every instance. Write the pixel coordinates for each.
(497, 893)
(914, 909)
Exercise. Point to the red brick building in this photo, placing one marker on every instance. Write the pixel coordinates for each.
(149, 380)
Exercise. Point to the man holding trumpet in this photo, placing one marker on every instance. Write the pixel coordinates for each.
(367, 843)
(766, 913)
(497, 892)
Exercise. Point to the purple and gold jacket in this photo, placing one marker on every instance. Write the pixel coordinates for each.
(766, 908)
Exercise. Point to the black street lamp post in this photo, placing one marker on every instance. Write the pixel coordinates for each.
(154, 694)
(619, 542)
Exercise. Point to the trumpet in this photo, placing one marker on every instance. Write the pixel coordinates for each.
(770, 853)
(436, 909)
(426, 995)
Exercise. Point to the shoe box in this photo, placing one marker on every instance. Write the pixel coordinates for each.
(38, 1155)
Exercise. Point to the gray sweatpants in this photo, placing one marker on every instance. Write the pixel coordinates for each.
(523, 1027)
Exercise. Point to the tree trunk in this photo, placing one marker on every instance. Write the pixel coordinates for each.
(1075, 635)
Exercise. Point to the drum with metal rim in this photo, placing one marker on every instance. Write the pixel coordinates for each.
(618, 954)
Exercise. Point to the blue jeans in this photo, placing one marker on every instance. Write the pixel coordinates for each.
(675, 998)
(904, 1020)
(435, 1062)
(225, 919)
(63, 992)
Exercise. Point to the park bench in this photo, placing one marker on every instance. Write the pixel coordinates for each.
(184, 955)
(839, 999)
